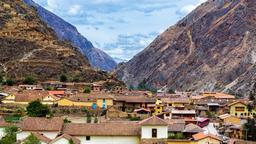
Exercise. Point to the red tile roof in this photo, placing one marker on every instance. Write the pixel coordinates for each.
(41, 124)
(153, 121)
(103, 129)
(68, 137)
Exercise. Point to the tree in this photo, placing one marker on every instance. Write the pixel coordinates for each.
(10, 137)
(9, 82)
(171, 91)
(29, 80)
(95, 119)
(250, 130)
(71, 141)
(1, 78)
(87, 89)
(31, 139)
(63, 78)
(37, 109)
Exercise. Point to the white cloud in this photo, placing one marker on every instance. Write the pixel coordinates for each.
(188, 8)
(74, 10)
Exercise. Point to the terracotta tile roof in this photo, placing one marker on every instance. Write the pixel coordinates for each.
(176, 125)
(67, 137)
(41, 124)
(201, 135)
(153, 121)
(95, 95)
(30, 95)
(41, 137)
(176, 100)
(56, 92)
(141, 109)
(174, 111)
(103, 129)
(215, 95)
(135, 99)
(192, 128)
(236, 102)
(4, 124)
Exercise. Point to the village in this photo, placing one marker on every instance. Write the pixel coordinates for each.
(88, 113)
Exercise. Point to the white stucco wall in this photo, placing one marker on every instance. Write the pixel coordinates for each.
(110, 140)
(24, 134)
(2, 133)
(61, 141)
(146, 132)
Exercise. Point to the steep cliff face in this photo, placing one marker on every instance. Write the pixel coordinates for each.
(29, 47)
(65, 31)
(213, 48)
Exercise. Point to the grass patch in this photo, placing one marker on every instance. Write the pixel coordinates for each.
(12, 119)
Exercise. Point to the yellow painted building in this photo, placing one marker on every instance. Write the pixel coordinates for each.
(67, 102)
(158, 107)
(83, 101)
(240, 109)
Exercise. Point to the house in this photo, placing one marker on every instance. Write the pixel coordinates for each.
(57, 93)
(209, 98)
(27, 96)
(240, 109)
(119, 89)
(97, 87)
(154, 130)
(230, 119)
(48, 127)
(189, 114)
(202, 138)
(142, 113)
(30, 87)
(130, 103)
(65, 139)
(158, 107)
(94, 100)
(176, 102)
(107, 133)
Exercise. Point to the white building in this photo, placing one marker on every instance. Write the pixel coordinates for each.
(49, 127)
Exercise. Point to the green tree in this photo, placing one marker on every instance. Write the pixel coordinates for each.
(1, 78)
(37, 109)
(96, 119)
(250, 130)
(87, 89)
(63, 78)
(10, 137)
(71, 141)
(10, 130)
(31, 139)
(171, 91)
(9, 82)
(29, 80)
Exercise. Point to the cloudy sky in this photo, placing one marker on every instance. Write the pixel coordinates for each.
(121, 28)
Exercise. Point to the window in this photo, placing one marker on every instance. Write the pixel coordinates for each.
(154, 133)
(88, 138)
(236, 114)
(240, 109)
(167, 115)
(158, 107)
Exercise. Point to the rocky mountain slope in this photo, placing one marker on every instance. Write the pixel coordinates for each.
(213, 48)
(65, 31)
(29, 47)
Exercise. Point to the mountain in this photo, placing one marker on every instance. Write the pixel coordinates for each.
(211, 49)
(65, 31)
(29, 47)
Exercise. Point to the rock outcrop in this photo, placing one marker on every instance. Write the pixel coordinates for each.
(213, 48)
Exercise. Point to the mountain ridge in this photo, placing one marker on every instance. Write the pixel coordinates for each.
(66, 31)
(211, 49)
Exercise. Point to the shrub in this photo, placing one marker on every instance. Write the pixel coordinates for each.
(66, 120)
(9, 82)
(63, 78)
(87, 89)
(95, 120)
(29, 80)
(37, 109)
(32, 140)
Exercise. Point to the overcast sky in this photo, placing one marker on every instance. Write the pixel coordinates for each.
(121, 28)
